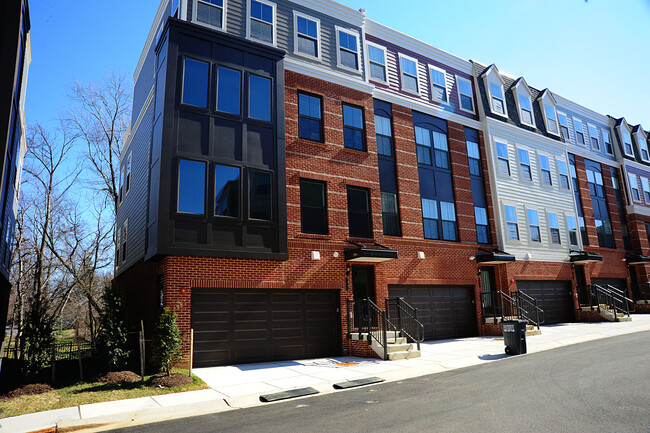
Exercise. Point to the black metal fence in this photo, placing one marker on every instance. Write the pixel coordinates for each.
(64, 351)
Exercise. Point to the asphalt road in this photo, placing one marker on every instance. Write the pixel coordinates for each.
(599, 386)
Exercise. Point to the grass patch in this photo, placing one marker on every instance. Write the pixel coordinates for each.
(86, 393)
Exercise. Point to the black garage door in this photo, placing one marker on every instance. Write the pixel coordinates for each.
(238, 325)
(620, 284)
(445, 311)
(554, 297)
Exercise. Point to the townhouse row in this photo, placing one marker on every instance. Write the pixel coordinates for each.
(291, 162)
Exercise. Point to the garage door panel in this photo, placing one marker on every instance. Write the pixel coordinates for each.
(263, 325)
(444, 311)
(554, 297)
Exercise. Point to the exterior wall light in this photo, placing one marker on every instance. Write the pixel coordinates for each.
(421, 255)
(472, 258)
(315, 255)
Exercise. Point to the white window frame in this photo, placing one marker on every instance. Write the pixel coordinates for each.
(634, 186)
(566, 125)
(645, 187)
(582, 131)
(128, 178)
(519, 164)
(607, 134)
(642, 143)
(547, 100)
(379, 47)
(521, 90)
(623, 128)
(120, 194)
(568, 229)
(249, 18)
(224, 20)
(496, 153)
(541, 170)
(494, 78)
(354, 33)
(417, 74)
(460, 105)
(589, 126)
(559, 174)
(444, 74)
(508, 239)
(528, 225)
(319, 50)
(550, 228)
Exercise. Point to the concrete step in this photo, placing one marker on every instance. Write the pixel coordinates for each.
(390, 336)
(498, 319)
(643, 301)
(609, 315)
(404, 355)
(531, 332)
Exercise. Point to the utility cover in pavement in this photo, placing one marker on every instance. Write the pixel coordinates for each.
(357, 382)
(292, 393)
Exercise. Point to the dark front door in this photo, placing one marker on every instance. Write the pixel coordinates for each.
(488, 287)
(363, 287)
(584, 297)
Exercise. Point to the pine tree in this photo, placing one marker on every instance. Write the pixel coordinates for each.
(113, 334)
(167, 343)
(38, 337)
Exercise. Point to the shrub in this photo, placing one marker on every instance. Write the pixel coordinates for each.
(167, 342)
(112, 340)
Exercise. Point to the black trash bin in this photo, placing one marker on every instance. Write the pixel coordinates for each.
(514, 336)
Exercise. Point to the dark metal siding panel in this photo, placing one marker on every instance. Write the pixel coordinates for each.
(144, 84)
(445, 311)
(255, 325)
(554, 297)
(134, 205)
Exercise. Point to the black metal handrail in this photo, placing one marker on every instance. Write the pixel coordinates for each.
(367, 318)
(405, 318)
(642, 292)
(528, 309)
(613, 299)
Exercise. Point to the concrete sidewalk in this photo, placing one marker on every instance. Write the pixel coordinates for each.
(240, 386)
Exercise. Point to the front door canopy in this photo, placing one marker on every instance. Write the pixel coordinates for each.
(637, 259)
(370, 254)
(582, 257)
(495, 257)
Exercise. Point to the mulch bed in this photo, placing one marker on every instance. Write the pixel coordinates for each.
(118, 377)
(31, 389)
(164, 381)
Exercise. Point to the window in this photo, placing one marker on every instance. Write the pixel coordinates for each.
(526, 110)
(359, 216)
(646, 190)
(409, 73)
(564, 174)
(554, 227)
(440, 148)
(627, 141)
(307, 31)
(593, 135)
(377, 60)
(533, 226)
(210, 12)
(447, 220)
(578, 201)
(498, 103)
(122, 179)
(313, 206)
(482, 231)
(228, 90)
(348, 49)
(128, 174)
(643, 146)
(524, 163)
(191, 187)
(580, 133)
(353, 130)
(390, 213)
(384, 135)
(647, 230)
(573, 229)
(634, 186)
(564, 125)
(438, 84)
(511, 222)
(260, 201)
(226, 191)
(310, 126)
(551, 123)
(599, 204)
(195, 83)
(545, 167)
(465, 94)
(259, 98)
(473, 158)
(608, 142)
(502, 157)
(123, 238)
(261, 21)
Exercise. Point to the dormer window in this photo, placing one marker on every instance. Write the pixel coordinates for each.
(526, 110)
(523, 99)
(409, 73)
(579, 130)
(593, 136)
(438, 84)
(627, 141)
(551, 123)
(548, 103)
(643, 146)
(498, 103)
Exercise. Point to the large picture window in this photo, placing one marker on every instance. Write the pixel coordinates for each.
(259, 98)
(260, 195)
(195, 82)
(226, 190)
(191, 187)
(229, 90)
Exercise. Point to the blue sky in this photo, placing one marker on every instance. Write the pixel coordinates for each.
(595, 52)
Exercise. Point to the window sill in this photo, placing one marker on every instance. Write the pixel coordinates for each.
(308, 56)
(347, 69)
(350, 149)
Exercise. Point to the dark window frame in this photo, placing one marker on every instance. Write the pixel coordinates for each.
(182, 83)
(368, 215)
(354, 128)
(323, 209)
(206, 166)
(321, 128)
